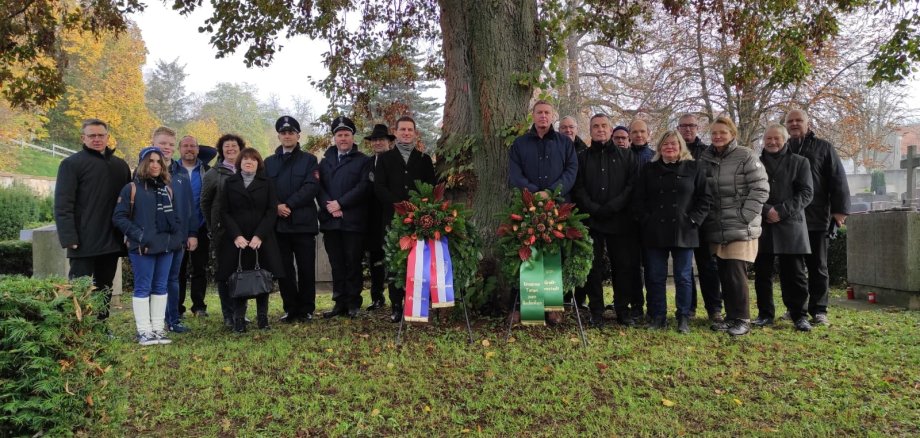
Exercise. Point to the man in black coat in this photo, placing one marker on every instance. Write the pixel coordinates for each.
(381, 141)
(688, 126)
(395, 175)
(568, 126)
(343, 198)
(785, 233)
(85, 194)
(294, 172)
(828, 209)
(606, 175)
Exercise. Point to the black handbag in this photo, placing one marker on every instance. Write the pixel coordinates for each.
(250, 282)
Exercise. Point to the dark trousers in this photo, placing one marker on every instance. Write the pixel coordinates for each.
(656, 279)
(195, 270)
(102, 269)
(816, 262)
(298, 287)
(345, 249)
(226, 303)
(376, 264)
(733, 275)
(239, 307)
(623, 252)
(709, 281)
(792, 281)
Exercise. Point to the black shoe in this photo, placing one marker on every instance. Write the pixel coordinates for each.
(201, 313)
(820, 319)
(228, 322)
(397, 315)
(625, 321)
(239, 325)
(353, 313)
(596, 321)
(285, 317)
(262, 322)
(336, 311)
(720, 326)
(739, 327)
(610, 307)
(375, 305)
(762, 321)
(802, 324)
(582, 307)
(289, 318)
(716, 316)
(306, 317)
(683, 324)
(658, 323)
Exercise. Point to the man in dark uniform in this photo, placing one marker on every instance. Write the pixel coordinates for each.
(381, 141)
(85, 193)
(294, 172)
(343, 198)
(706, 266)
(397, 171)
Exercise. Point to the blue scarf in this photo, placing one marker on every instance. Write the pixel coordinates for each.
(166, 219)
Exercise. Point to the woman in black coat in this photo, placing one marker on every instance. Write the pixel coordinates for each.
(248, 211)
(671, 200)
(785, 232)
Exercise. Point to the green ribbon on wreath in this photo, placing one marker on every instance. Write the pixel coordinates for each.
(541, 286)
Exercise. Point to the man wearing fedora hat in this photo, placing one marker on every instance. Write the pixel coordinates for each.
(395, 175)
(294, 172)
(381, 141)
(194, 267)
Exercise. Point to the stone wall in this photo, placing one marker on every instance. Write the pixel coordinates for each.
(40, 185)
(883, 256)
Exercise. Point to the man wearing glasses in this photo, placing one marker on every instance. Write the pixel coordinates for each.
(689, 127)
(85, 194)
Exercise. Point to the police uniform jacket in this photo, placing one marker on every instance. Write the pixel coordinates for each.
(295, 181)
(346, 181)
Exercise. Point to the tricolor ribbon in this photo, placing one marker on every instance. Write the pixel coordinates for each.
(541, 286)
(429, 279)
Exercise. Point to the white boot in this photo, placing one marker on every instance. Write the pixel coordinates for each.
(158, 318)
(142, 321)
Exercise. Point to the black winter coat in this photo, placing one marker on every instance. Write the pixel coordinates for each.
(211, 186)
(671, 202)
(696, 148)
(140, 226)
(790, 191)
(85, 193)
(348, 183)
(829, 180)
(296, 185)
(604, 186)
(394, 178)
(248, 211)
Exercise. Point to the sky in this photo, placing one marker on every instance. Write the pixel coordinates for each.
(168, 35)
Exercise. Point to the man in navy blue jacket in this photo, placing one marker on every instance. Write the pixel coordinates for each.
(543, 159)
(164, 139)
(343, 199)
(294, 172)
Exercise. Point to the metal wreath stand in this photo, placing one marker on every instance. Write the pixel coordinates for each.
(573, 304)
(459, 299)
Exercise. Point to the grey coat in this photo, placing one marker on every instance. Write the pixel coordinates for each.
(738, 184)
(790, 192)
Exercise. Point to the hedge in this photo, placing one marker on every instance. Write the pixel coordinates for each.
(53, 358)
(19, 208)
(837, 259)
(15, 257)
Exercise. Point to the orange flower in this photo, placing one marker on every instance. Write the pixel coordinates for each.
(407, 220)
(448, 229)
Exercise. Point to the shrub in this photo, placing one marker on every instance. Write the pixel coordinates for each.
(878, 182)
(19, 207)
(16, 257)
(837, 259)
(53, 358)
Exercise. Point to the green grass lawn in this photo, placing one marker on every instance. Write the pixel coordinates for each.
(861, 376)
(32, 162)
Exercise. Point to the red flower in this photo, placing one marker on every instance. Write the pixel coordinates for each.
(565, 211)
(445, 205)
(405, 243)
(547, 239)
(516, 217)
(549, 205)
(572, 233)
(439, 192)
(401, 208)
(558, 234)
(524, 253)
(528, 198)
(530, 231)
(503, 229)
(448, 229)
(407, 220)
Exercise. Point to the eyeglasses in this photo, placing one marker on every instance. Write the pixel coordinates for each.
(96, 136)
(687, 126)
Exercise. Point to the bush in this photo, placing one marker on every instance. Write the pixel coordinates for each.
(837, 259)
(16, 257)
(878, 182)
(19, 207)
(53, 358)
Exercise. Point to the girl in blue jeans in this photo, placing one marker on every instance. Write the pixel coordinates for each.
(154, 233)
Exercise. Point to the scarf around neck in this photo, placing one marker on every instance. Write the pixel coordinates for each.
(166, 220)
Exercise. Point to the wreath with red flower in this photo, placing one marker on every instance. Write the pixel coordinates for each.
(549, 226)
(427, 215)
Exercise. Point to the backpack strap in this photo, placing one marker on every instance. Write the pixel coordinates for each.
(131, 206)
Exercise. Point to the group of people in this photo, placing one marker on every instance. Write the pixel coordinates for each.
(719, 204)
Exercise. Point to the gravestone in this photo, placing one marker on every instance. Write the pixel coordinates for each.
(50, 260)
(911, 163)
(883, 256)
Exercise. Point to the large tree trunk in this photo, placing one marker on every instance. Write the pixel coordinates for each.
(485, 44)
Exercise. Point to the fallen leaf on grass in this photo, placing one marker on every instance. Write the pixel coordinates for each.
(375, 412)
(225, 424)
(602, 367)
(67, 387)
(890, 379)
(427, 408)
(390, 365)
(667, 402)
(737, 402)
(328, 350)
(511, 340)
(573, 340)
(489, 354)
(719, 392)
(464, 431)
(89, 399)
(486, 343)
(227, 369)
(622, 333)
(490, 374)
